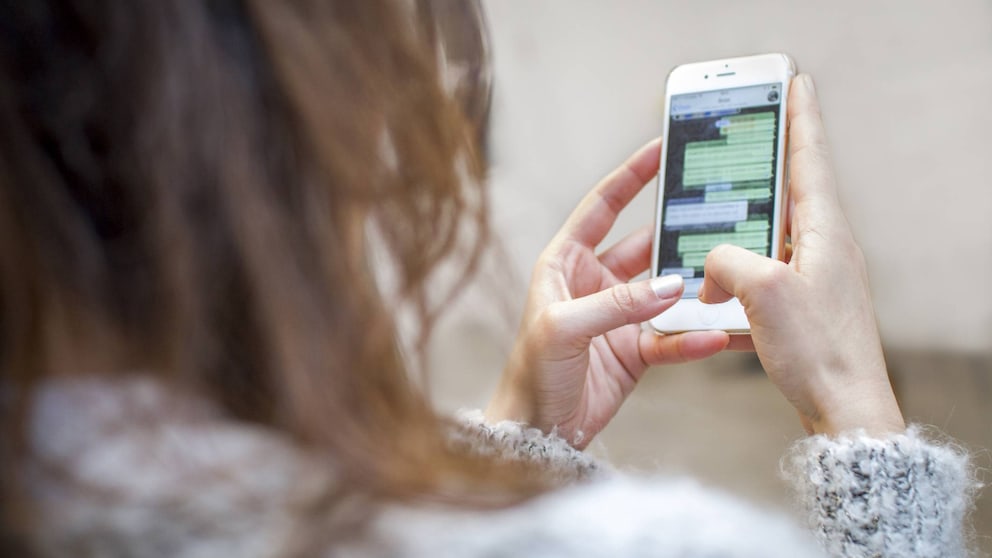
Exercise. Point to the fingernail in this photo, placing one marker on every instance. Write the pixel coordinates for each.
(808, 82)
(667, 286)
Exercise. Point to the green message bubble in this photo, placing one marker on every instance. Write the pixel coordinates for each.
(725, 159)
(751, 137)
(697, 260)
(717, 175)
(750, 194)
(768, 115)
(694, 259)
(752, 226)
(747, 128)
(745, 154)
(707, 241)
(699, 148)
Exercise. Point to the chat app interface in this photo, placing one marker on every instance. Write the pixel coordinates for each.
(721, 177)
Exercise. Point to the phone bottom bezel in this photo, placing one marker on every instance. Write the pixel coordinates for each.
(690, 314)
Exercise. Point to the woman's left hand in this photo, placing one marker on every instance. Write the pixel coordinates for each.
(581, 349)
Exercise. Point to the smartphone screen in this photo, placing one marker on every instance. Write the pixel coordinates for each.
(720, 176)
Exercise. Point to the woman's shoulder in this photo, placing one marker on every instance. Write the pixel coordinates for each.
(128, 468)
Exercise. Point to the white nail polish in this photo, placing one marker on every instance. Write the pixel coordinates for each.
(667, 286)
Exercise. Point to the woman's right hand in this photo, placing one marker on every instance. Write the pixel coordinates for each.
(812, 322)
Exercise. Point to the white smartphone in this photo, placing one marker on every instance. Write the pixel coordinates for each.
(722, 177)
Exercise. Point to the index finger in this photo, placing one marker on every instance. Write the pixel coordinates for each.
(590, 222)
(810, 174)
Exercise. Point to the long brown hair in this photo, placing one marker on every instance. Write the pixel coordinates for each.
(195, 189)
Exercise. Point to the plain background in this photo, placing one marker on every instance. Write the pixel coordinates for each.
(906, 91)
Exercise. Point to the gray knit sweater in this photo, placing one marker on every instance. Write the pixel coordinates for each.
(131, 471)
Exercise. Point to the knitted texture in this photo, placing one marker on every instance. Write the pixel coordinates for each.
(513, 441)
(901, 496)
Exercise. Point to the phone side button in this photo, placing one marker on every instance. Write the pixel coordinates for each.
(709, 314)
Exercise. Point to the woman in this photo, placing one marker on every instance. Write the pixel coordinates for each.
(214, 216)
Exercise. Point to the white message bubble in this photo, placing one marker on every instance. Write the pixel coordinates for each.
(692, 288)
(685, 272)
(680, 215)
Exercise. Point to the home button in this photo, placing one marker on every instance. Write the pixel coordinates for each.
(709, 314)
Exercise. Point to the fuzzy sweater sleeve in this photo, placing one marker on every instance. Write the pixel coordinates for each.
(902, 496)
(514, 441)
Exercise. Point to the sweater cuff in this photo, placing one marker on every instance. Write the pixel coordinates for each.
(514, 441)
(897, 496)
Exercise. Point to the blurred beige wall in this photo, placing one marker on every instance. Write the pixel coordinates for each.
(906, 89)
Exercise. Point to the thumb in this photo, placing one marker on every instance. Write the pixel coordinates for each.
(627, 303)
(731, 271)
